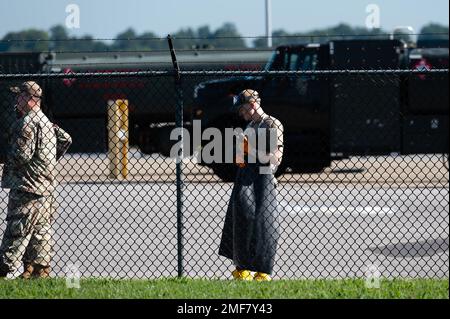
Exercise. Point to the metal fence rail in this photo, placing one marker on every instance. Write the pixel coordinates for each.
(363, 185)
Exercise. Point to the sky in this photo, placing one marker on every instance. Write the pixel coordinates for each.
(107, 18)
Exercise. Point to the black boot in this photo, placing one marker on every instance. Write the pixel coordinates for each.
(41, 271)
(27, 271)
(4, 271)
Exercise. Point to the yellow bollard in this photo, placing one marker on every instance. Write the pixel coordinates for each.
(113, 139)
(118, 138)
(123, 107)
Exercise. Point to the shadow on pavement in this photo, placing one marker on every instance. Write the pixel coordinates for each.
(415, 249)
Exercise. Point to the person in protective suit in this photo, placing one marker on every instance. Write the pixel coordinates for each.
(250, 233)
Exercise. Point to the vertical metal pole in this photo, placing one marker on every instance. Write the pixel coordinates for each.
(269, 23)
(179, 168)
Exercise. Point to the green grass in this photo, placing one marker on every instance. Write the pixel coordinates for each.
(219, 289)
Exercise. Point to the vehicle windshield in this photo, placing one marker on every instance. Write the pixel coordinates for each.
(268, 66)
(298, 60)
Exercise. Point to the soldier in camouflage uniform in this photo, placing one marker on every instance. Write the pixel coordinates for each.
(35, 146)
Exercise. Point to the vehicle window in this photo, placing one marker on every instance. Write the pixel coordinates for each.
(279, 61)
(303, 62)
(293, 62)
(272, 62)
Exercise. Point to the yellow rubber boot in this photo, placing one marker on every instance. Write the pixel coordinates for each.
(260, 276)
(245, 275)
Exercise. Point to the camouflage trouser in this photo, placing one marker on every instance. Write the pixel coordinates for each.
(28, 234)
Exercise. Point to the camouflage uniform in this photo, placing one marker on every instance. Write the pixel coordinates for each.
(36, 144)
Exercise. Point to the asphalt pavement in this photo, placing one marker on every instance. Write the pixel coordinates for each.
(129, 230)
(363, 214)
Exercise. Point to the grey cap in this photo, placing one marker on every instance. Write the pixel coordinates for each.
(246, 96)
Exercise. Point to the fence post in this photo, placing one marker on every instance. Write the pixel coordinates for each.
(180, 155)
(118, 138)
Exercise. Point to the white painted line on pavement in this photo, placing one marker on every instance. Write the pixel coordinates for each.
(340, 211)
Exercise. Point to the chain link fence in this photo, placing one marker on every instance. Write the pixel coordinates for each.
(363, 181)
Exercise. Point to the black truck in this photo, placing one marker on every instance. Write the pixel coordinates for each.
(331, 116)
(80, 104)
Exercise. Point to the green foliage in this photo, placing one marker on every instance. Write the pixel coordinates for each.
(226, 36)
(341, 31)
(25, 41)
(434, 31)
(57, 39)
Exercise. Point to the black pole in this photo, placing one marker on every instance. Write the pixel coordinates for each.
(179, 168)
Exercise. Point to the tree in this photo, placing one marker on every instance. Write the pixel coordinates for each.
(205, 36)
(59, 38)
(227, 36)
(58, 32)
(279, 37)
(88, 43)
(150, 40)
(123, 42)
(338, 32)
(434, 31)
(185, 39)
(28, 40)
(204, 32)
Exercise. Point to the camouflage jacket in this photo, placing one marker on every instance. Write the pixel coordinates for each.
(35, 146)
